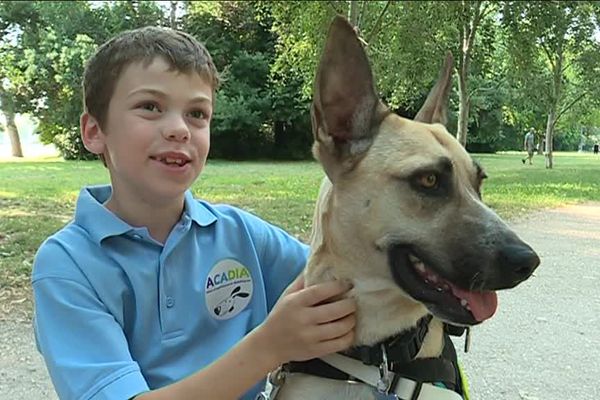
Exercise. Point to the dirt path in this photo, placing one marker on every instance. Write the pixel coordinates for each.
(543, 343)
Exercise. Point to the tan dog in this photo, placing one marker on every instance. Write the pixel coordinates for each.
(400, 215)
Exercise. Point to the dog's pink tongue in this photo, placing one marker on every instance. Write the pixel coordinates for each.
(482, 304)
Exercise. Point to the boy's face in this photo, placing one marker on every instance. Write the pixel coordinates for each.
(156, 136)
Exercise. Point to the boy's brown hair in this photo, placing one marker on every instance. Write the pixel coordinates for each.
(181, 50)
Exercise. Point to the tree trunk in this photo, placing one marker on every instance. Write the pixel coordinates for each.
(556, 95)
(471, 15)
(463, 106)
(173, 16)
(550, 137)
(353, 13)
(8, 109)
(13, 134)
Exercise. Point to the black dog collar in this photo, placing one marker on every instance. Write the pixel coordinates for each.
(400, 349)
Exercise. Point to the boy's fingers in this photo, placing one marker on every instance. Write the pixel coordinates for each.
(318, 293)
(296, 285)
(334, 345)
(336, 329)
(333, 311)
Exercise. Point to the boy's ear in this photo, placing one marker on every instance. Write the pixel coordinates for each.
(91, 134)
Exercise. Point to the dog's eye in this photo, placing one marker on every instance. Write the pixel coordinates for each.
(428, 181)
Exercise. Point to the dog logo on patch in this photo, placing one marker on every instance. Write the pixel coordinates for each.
(228, 289)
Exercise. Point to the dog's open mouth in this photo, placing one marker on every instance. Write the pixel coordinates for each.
(442, 297)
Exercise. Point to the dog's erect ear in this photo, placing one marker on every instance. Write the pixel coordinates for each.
(345, 103)
(435, 109)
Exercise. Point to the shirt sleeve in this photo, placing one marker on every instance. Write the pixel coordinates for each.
(83, 346)
(282, 258)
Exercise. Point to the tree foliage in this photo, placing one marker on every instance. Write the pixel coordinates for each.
(555, 56)
(518, 64)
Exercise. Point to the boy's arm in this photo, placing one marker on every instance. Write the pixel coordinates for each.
(300, 327)
(81, 341)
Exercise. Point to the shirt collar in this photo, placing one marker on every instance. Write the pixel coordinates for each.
(90, 211)
(199, 213)
(96, 219)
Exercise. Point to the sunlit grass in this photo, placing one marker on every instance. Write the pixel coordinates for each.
(37, 197)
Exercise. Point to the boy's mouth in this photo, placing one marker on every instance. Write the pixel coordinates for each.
(172, 159)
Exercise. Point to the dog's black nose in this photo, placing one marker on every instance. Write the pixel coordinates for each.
(518, 261)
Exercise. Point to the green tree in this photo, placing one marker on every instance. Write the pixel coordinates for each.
(406, 41)
(238, 36)
(53, 40)
(13, 68)
(553, 49)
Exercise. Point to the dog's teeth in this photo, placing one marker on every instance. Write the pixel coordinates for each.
(420, 267)
(464, 303)
(446, 287)
(439, 289)
(433, 278)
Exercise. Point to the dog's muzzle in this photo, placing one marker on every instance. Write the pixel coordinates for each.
(453, 301)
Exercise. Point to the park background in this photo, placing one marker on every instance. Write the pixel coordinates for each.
(518, 65)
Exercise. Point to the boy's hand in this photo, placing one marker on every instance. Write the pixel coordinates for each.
(303, 325)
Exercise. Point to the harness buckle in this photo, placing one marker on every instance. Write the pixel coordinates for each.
(275, 381)
(384, 382)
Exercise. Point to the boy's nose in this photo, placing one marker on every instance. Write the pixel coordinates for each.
(177, 130)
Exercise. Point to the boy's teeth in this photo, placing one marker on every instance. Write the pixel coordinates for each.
(170, 160)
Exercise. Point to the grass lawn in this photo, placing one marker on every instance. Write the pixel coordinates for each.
(37, 197)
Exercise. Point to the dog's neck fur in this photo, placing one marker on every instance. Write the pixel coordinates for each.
(385, 301)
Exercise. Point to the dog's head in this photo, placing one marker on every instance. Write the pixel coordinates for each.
(406, 196)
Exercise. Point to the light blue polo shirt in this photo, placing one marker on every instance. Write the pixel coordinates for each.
(117, 313)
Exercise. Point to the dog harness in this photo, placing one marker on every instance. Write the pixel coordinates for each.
(391, 369)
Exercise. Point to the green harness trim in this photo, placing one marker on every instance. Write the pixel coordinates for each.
(464, 382)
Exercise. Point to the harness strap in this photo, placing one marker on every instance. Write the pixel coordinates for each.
(430, 370)
(420, 370)
(404, 388)
(317, 367)
(400, 349)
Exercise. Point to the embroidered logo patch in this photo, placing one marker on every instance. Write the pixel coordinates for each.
(228, 289)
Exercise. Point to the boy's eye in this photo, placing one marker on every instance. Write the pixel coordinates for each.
(197, 114)
(149, 107)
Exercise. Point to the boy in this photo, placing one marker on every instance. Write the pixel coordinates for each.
(148, 293)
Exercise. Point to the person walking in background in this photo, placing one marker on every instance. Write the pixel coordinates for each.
(528, 145)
